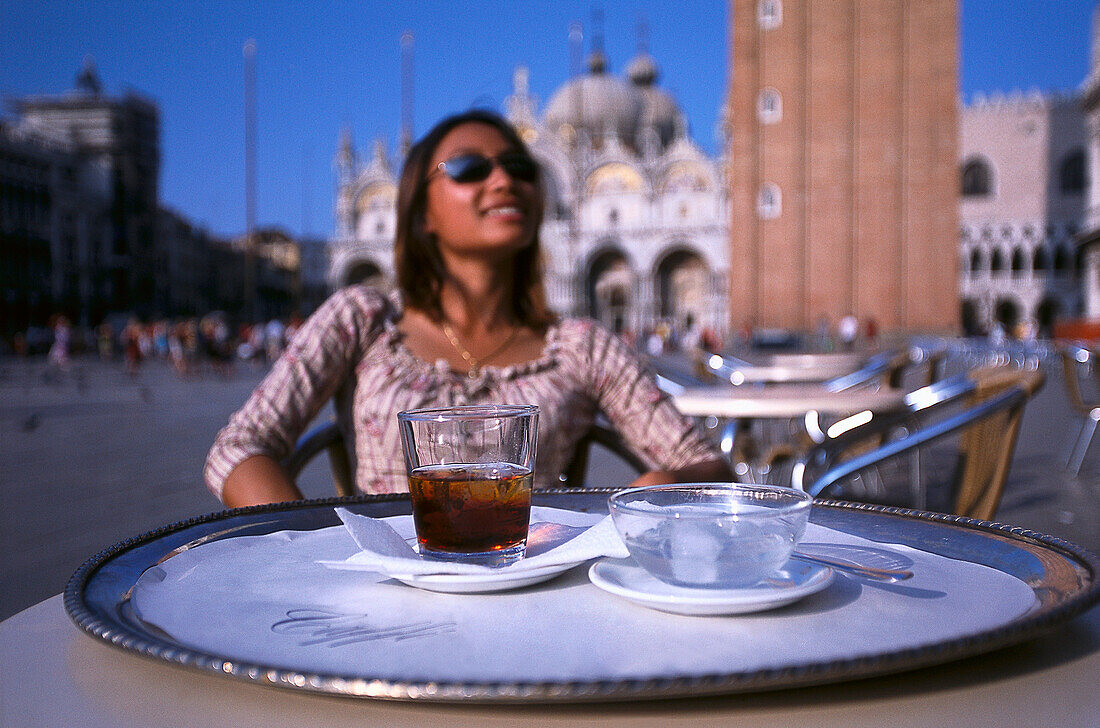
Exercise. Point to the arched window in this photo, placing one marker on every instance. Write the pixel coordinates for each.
(769, 106)
(1018, 264)
(976, 180)
(975, 262)
(769, 14)
(769, 201)
(1041, 260)
(998, 263)
(1071, 174)
(1061, 260)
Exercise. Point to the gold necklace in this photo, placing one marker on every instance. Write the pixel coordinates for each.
(475, 364)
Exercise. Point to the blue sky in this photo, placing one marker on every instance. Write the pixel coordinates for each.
(326, 64)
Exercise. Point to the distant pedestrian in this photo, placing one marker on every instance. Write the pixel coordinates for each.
(273, 339)
(62, 341)
(870, 331)
(105, 341)
(848, 330)
(131, 346)
(257, 342)
(292, 327)
(655, 345)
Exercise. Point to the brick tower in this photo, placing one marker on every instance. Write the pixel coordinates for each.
(844, 189)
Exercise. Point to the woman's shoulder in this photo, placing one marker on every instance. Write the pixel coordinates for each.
(361, 302)
(580, 326)
(588, 337)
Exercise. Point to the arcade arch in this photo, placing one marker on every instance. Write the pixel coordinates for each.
(364, 271)
(1007, 313)
(682, 278)
(608, 289)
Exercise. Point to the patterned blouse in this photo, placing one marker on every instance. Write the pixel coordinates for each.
(351, 349)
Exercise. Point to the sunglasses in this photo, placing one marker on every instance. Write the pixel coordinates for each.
(468, 168)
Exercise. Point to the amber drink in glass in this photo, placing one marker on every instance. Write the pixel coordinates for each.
(470, 476)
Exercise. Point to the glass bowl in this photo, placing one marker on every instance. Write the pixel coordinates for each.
(710, 535)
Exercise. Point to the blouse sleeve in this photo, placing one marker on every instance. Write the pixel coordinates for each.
(626, 392)
(321, 357)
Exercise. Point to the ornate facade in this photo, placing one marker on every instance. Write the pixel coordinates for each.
(1023, 183)
(1090, 240)
(637, 224)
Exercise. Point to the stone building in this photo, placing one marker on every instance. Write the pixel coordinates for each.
(636, 226)
(54, 213)
(117, 142)
(843, 162)
(1023, 188)
(1089, 252)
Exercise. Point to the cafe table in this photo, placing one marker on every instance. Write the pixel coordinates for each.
(759, 416)
(78, 659)
(792, 368)
(784, 401)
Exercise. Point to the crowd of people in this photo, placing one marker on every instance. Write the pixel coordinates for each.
(191, 345)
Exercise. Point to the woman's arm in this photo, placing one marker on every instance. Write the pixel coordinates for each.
(626, 391)
(259, 479)
(708, 471)
(320, 358)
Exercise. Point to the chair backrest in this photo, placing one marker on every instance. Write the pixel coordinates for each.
(329, 438)
(716, 368)
(829, 450)
(987, 445)
(602, 435)
(989, 421)
(886, 367)
(1074, 359)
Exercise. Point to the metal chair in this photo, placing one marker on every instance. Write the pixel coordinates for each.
(327, 437)
(989, 424)
(818, 449)
(885, 368)
(1076, 361)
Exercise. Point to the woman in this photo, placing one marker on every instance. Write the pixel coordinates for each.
(470, 326)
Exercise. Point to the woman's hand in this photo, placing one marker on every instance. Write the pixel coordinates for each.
(259, 479)
(708, 471)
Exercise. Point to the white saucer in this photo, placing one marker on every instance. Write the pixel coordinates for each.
(481, 583)
(624, 578)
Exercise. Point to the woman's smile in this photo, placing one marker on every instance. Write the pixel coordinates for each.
(493, 213)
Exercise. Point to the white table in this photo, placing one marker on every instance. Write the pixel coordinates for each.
(783, 401)
(56, 676)
(745, 437)
(785, 368)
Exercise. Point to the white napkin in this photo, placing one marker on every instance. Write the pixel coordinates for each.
(558, 543)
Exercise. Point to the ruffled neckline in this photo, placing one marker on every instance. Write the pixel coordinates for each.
(394, 340)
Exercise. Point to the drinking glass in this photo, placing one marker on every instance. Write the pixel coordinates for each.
(470, 475)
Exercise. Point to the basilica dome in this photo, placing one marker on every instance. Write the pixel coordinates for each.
(599, 103)
(659, 111)
(596, 103)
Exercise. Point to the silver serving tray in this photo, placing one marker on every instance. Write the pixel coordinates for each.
(1063, 576)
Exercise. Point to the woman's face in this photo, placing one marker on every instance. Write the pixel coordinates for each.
(492, 218)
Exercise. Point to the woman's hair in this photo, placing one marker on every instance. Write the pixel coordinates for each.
(419, 266)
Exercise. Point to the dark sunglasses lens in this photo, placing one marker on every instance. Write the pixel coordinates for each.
(475, 167)
(519, 166)
(468, 168)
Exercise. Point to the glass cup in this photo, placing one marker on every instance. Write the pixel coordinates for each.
(470, 476)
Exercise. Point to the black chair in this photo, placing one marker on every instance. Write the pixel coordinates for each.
(989, 423)
(1076, 362)
(328, 438)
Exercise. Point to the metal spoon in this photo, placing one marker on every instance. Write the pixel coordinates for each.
(867, 572)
